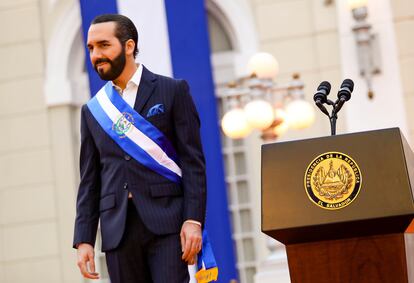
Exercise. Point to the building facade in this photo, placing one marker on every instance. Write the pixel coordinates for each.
(43, 82)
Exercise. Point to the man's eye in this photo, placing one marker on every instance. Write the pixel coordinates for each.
(105, 45)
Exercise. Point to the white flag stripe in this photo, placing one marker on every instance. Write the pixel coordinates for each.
(192, 270)
(135, 135)
(151, 21)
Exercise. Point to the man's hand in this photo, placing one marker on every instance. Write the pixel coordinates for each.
(86, 255)
(191, 241)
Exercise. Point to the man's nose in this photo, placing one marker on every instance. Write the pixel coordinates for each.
(95, 54)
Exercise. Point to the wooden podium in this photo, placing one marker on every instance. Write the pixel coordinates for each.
(363, 238)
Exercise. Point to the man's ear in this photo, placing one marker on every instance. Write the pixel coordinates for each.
(129, 47)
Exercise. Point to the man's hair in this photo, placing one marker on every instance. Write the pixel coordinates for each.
(124, 29)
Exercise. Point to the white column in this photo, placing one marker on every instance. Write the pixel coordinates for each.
(386, 109)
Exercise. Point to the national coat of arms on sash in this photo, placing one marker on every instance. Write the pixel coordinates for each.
(123, 124)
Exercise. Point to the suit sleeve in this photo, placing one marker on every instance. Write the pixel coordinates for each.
(87, 205)
(190, 152)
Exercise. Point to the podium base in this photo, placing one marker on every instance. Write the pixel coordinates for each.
(371, 259)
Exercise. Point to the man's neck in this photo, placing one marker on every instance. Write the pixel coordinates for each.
(126, 75)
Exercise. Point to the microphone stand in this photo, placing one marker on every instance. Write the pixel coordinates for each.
(333, 124)
(333, 117)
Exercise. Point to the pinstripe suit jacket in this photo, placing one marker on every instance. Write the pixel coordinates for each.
(108, 173)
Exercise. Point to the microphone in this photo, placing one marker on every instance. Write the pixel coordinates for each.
(344, 93)
(346, 89)
(321, 96)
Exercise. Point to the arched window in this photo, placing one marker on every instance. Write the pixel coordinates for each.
(220, 40)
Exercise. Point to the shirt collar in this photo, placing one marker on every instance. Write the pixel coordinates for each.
(135, 79)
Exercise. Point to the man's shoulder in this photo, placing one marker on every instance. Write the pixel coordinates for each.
(169, 80)
(165, 80)
(85, 111)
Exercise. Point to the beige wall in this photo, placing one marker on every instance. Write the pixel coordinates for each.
(36, 155)
(28, 220)
(403, 11)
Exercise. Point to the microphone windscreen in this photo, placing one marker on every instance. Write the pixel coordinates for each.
(325, 86)
(348, 83)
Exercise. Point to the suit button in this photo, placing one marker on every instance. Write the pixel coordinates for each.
(125, 186)
(127, 157)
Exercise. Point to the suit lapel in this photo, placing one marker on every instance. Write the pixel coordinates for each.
(145, 89)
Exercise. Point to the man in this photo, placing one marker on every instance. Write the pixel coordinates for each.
(141, 163)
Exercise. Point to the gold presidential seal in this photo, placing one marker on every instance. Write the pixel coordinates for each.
(333, 180)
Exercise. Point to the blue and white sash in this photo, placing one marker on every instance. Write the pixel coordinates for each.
(135, 135)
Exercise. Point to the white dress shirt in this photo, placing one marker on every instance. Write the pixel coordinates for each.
(129, 94)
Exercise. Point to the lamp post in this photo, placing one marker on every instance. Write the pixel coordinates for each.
(366, 42)
(257, 102)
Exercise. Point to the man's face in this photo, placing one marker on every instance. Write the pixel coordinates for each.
(105, 51)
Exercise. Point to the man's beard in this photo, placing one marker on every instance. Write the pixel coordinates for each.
(116, 67)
